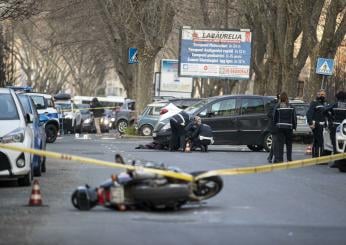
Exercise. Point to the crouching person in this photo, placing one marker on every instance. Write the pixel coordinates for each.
(200, 134)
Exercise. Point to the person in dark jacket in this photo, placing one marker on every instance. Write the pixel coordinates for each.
(316, 120)
(178, 123)
(95, 107)
(285, 120)
(272, 128)
(201, 135)
(336, 113)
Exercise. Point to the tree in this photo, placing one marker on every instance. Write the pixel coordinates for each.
(145, 25)
(285, 34)
(12, 10)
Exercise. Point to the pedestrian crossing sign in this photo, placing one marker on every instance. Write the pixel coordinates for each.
(325, 66)
(133, 56)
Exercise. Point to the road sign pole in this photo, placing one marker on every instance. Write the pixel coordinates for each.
(323, 80)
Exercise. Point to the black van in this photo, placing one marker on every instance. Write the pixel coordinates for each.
(235, 120)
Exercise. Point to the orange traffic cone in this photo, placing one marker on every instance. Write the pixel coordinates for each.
(35, 198)
(308, 150)
(188, 146)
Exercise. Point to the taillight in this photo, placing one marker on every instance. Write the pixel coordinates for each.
(163, 111)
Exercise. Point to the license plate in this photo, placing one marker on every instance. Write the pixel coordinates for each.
(154, 134)
(117, 194)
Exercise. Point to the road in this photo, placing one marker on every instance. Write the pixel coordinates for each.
(299, 206)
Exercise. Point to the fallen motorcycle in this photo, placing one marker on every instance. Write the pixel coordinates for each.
(137, 189)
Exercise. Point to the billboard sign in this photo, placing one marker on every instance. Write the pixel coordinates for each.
(170, 80)
(215, 53)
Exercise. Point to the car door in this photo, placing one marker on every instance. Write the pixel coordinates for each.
(222, 117)
(253, 120)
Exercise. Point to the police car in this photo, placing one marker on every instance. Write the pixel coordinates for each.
(45, 106)
(340, 143)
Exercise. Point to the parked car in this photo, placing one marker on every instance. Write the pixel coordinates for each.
(45, 106)
(15, 130)
(234, 119)
(70, 116)
(303, 128)
(37, 126)
(87, 118)
(150, 116)
(124, 115)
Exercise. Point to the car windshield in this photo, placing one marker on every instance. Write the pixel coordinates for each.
(193, 108)
(8, 109)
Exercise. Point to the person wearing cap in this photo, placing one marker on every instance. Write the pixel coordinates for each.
(200, 134)
(316, 120)
(178, 123)
(95, 107)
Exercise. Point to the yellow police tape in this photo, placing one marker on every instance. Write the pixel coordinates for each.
(184, 176)
(50, 154)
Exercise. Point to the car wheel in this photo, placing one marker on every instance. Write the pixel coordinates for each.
(146, 130)
(268, 142)
(255, 147)
(51, 132)
(122, 126)
(26, 180)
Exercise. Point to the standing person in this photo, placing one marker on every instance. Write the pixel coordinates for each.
(336, 113)
(95, 107)
(285, 120)
(272, 128)
(316, 120)
(178, 123)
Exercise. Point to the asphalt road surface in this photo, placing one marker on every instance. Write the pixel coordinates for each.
(299, 206)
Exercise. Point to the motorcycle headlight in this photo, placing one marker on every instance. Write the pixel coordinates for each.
(166, 127)
(16, 136)
(88, 120)
(106, 121)
(113, 119)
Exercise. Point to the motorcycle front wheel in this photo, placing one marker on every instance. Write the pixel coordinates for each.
(205, 188)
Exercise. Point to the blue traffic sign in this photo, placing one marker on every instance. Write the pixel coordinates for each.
(325, 66)
(133, 56)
